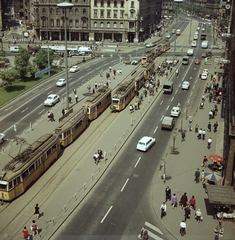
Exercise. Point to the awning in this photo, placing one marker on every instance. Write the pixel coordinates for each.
(221, 195)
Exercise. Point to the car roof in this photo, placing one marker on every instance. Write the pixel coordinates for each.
(61, 79)
(145, 138)
(52, 95)
(176, 108)
(185, 82)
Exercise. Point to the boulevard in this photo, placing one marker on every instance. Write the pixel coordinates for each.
(128, 195)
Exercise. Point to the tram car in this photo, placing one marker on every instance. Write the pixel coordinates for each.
(98, 102)
(148, 56)
(165, 45)
(26, 167)
(123, 95)
(72, 126)
(149, 70)
(157, 51)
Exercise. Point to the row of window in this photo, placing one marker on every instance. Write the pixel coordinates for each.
(60, 23)
(59, 1)
(108, 13)
(59, 11)
(108, 25)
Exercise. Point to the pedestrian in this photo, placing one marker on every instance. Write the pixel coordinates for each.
(204, 162)
(192, 202)
(110, 69)
(201, 105)
(144, 234)
(182, 228)
(70, 99)
(198, 215)
(203, 134)
(215, 126)
(168, 193)
(174, 201)
(34, 228)
(100, 153)
(187, 212)
(203, 98)
(96, 85)
(63, 112)
(52, 117)
(131, 108)
(89, 88)
(25, 233)
(209, 127)
(199, 136)
(190, 126)
(183, 200)
(196, 128)
(49, 115)
(183, 136)
(202, 176)
(36, 211)
(163, 209)
(209, 141)
(197, 175)
(76, 98)
(74, 91)
(211, 114)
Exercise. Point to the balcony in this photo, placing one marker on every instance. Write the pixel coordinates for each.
(131, 30)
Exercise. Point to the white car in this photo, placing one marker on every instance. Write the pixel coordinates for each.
(198, 28)
(203, 29)
(145, 143)
(2, 138)
(51, 100)
(74, 69)
(61, 82)
(175, 111)
(205, 71)
(194, 43)
(185, 85)
(204, 76)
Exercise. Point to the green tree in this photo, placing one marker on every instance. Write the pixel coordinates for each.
(22, 63)
(41, 58)
(9, 76)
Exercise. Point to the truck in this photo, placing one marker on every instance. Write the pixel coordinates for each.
(190, 52)
(168, 87)
(168, 123)
(185, 60)
(204, 44)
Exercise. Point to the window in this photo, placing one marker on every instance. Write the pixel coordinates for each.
(108, 24)
(76, 23)
(31, 168)
(52, 23)
(95, 3)
(108, 3)
(16, 181)
(84, 23)
(122, 4)
(108, 13)
(122, 14)
(84, 11)
(101, 13)
(57, 22)
(70, 23)
(115, 13)
(44, 11)
(132, 15)
(102, 3)
(76, 11)
(121, 25)
(51, 11)
(95, 24)
(115, 3)
(95, 13)
(44, 22)
(48, 152)
(114, 25)
(132, 4)
(70, 11)
(101, 25)
(57, 11)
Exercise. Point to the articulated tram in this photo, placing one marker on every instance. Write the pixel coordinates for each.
(26, 167)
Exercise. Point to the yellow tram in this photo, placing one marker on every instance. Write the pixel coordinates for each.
(165, 45)
(148, 56)
(26, 167)
(72, 126)
(123, 95)
(97, 102)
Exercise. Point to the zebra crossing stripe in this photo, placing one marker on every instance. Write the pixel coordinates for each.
(153, 227)
(154, 236)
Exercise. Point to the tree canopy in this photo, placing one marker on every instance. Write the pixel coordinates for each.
(41, 58)
(9, 76)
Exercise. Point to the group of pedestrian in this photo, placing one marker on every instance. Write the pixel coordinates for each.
(98, 156)
(101, 85)
(33, 227)
(50, 116)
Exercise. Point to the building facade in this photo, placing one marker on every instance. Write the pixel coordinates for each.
(96, 20)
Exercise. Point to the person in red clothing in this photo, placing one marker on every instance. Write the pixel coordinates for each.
(183, 200)
(192, 202)
(25, 233)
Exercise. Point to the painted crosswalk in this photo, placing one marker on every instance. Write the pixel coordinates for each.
(153, 231)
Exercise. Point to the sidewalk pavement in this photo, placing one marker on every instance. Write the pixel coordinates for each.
(76, 161)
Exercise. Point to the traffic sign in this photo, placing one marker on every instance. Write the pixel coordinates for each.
(40, 73)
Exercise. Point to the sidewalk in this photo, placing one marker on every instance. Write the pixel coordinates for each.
(76, 161)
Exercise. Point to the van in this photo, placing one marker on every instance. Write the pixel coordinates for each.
(14, 49)
(185, 60)
(190, 52)
(204, 44)
(168, 123)
(168, 87)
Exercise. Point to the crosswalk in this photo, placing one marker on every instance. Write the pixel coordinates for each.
(153, 231)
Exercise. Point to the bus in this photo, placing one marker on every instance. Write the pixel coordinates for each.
(185, 60)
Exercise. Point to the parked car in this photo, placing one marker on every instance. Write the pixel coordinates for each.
(175, 111)
(204, 76)
(74, 69)
(51, 100)
(61, 82)
(185, 85)
(145, 143)
(194, 43)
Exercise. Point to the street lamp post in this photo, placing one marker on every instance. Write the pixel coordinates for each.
(190, 28)
(48, 51)
(65, 6)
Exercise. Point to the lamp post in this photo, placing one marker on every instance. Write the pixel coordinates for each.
(48, 51)
(65, 6)
(190, 28)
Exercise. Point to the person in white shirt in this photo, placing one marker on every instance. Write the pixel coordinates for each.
(163, 209)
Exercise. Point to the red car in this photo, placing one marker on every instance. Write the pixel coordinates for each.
(197, 61)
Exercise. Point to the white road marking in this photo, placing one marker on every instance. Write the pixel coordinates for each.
(176, 91)
(41, 112)
(153, 227)
(49, 92)
(137, 162)
(8, 108)
(191, 94)
(162, 117)
(193, 86)
(167, 107)
(24, 110)
(184, 110)
(172, 99)
(190, 78)
(155, 129)
(179, 84)
(161, 102)
(106, 214)
(125, 184)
